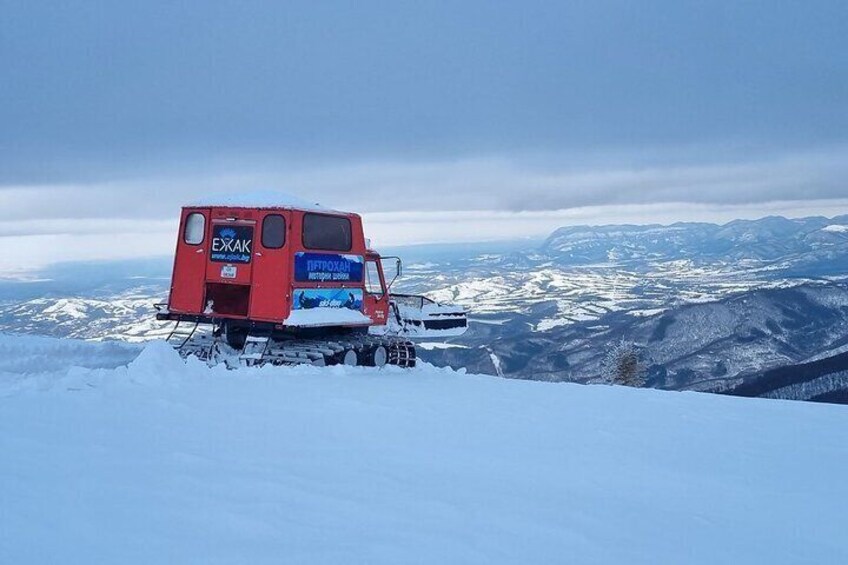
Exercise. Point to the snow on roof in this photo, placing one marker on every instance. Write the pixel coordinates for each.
(325, 316)
(260, 199)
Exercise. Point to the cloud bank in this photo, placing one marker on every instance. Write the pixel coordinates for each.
(420, 202)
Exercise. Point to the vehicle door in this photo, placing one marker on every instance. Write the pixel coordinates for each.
(272, 260)
(187, 283)
(376, 300)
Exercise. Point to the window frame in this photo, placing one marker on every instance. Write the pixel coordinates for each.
(262, 234)
(378, 271)
(303, 232)
(188, 219)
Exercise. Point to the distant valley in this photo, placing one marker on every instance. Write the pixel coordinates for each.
(713, 307)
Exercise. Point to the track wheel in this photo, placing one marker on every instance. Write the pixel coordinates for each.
(349, 357)
(378, 356)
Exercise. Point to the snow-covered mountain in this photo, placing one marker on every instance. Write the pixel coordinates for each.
(166, 462)
(712, 346)
(125, 314)
(711, 306)
(768, 239)
(586, 271)
(550, 310)
(589, 271)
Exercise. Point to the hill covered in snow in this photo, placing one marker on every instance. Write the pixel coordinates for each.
(785, 243)
(714, 307)
(708, 346)
(160, 461)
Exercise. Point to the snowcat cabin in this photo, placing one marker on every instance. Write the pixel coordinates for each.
(291, 283)
(279, 266)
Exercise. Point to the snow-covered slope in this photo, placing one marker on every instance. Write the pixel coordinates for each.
(162, 462)
(578, 276)
(766, 239)
(709, 346)
(127, 314)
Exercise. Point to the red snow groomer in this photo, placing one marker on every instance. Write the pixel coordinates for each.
(282, 281)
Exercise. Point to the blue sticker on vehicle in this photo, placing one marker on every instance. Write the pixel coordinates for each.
(231, 244)
(308, 298)
(327, 267)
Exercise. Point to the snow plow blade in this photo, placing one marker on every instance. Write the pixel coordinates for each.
(418, 316)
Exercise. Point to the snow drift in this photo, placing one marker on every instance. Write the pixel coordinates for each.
(166, 462)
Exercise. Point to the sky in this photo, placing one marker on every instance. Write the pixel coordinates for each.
(438, 121)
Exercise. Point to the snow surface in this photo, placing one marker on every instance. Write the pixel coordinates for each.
(432, 345)
(167, 462)
(325, 316)
(836, 228)
(259, 199)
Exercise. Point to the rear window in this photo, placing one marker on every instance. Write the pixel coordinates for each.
(273, 231)
(331, 233)
(195, 228)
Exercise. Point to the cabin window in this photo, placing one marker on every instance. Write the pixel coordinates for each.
(330, 233)
(195, 228)
(273, 231)
(372, 279)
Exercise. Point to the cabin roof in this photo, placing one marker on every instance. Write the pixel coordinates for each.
(260, 199)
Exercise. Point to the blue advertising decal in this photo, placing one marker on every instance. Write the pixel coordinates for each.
(231, 244)
(308, 298)
(327, 267)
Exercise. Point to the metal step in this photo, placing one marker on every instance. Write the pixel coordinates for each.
(181, 334)
(255, 346)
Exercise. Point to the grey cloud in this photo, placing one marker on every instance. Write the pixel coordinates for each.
(805, 177)
(494, 184)
(94, 89)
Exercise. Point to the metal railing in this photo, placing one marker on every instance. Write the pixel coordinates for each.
(412, 300)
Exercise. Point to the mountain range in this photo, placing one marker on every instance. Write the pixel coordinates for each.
(772, 241)
(711, 307)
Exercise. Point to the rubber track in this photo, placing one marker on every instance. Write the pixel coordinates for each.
(322, 352)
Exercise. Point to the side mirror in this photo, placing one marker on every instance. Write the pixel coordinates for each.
(398, 270)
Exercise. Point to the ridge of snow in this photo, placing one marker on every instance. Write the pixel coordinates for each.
(68, 308)
(163, 461)
(433, 345)
(259, 199)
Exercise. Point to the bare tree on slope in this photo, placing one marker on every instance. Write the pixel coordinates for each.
(623, 365)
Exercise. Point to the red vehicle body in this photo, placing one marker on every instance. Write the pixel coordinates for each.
(253, 277)
(291, 283)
